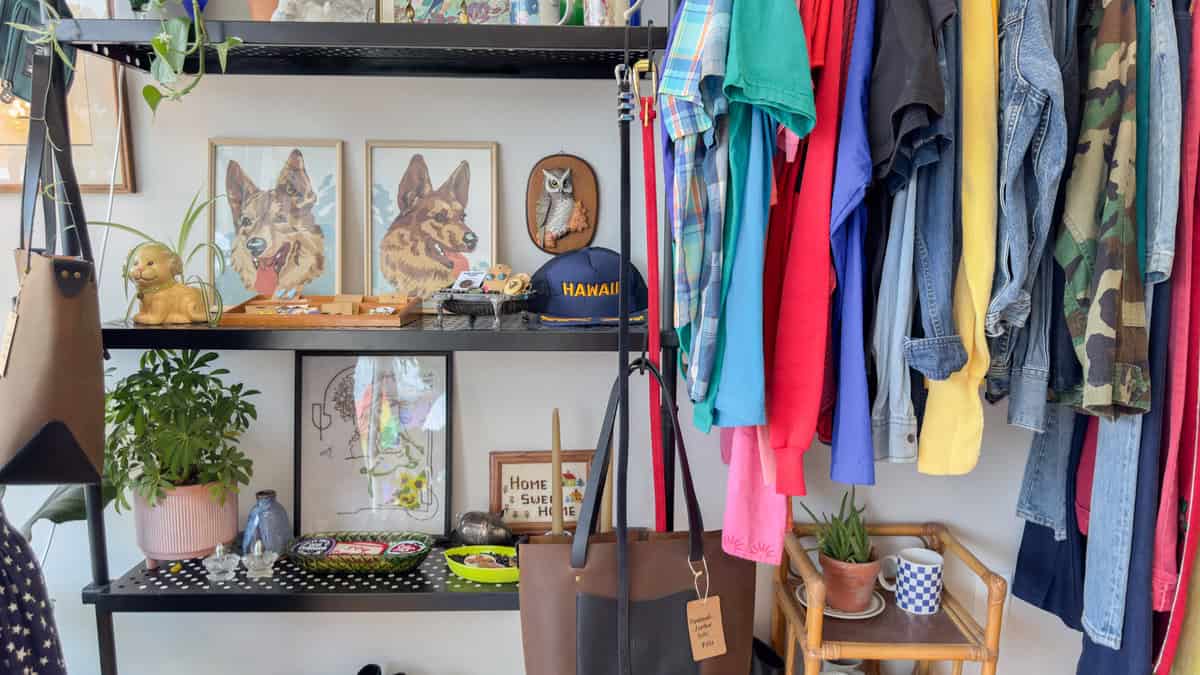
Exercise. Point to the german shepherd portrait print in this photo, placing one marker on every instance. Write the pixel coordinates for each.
(277, 247)
(428, 242)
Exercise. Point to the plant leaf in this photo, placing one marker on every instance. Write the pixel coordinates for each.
(152, 96)
(64, 505)
(223, 48)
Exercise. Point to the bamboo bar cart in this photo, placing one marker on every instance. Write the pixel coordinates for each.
(950, 635)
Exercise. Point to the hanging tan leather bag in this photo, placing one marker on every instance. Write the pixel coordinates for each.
(51, 356)
(590, 609)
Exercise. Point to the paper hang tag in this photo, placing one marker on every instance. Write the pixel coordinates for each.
(705, 628)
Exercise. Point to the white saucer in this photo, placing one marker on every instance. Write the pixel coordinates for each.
(873, 610)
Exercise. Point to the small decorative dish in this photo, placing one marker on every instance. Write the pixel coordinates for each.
(360, 551)
(479, 303)
(873, 610)
(485, 564)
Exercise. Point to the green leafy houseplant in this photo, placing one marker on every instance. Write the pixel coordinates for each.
(174, 423)
(843, 536)
(179, 247)
(172, 47)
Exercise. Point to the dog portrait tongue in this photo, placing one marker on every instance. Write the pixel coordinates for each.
(266, 279)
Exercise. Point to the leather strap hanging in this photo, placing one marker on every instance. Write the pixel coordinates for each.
(653, 308)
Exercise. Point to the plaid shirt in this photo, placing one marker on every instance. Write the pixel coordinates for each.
(693, 105)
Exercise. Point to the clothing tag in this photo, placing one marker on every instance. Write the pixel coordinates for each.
(705, 628)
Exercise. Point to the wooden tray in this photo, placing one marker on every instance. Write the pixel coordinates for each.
(248, 314)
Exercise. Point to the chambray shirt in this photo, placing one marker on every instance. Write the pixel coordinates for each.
(694, 106)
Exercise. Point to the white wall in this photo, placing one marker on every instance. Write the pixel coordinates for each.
(502, 400)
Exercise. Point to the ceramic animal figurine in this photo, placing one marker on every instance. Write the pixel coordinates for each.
(558, 212)
(156, 271)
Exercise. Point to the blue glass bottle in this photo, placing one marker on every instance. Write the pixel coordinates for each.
(268, 521)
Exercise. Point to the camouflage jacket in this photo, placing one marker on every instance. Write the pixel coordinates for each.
(1097, 241)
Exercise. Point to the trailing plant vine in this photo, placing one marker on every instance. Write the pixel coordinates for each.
(172, 47)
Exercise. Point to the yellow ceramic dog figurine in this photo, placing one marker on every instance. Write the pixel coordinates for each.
(155, 271)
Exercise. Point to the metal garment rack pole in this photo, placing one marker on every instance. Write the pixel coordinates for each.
(670, 352)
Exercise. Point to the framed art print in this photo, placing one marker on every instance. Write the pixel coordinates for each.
(373, 442)
(444, 11)
(431, 214)
(277, 219)
(99, 117)
(521, 488)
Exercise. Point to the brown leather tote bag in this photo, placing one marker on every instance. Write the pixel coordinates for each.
(52, 379)
(587, 605)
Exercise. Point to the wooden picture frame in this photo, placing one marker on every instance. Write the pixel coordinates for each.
(330, 175)
(533, 525)
(328, 488)
(436, 170)
(92, 155)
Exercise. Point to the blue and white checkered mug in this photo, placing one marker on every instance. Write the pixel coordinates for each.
(918, 585)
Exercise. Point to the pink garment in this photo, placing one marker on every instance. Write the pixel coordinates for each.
(1085, 477)
(1166, 535)
(756, 518)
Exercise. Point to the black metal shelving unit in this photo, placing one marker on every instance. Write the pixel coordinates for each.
(377, 50)
(456, 334)
(317, 48)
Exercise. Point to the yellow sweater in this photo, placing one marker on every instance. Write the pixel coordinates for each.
(953, 428)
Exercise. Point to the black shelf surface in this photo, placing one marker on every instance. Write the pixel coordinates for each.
(317, 48)
(430, 587)
(458, 334)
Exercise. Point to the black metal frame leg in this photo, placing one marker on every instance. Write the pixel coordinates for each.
(105, 635)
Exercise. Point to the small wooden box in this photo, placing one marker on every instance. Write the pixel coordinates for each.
(262, 312)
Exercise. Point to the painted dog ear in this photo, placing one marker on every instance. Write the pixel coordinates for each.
(414, 185)
(294, 181)
(459, 183)
(238, 188)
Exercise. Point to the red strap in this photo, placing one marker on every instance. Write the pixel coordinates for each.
(654, 339)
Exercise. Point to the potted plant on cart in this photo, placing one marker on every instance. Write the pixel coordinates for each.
(173, 430)
(848, 562)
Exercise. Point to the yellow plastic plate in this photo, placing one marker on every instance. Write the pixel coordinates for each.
(484, 575)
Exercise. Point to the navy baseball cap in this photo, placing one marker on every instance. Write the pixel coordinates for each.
(581, 288)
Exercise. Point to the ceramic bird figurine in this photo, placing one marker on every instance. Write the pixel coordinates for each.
(558, 212)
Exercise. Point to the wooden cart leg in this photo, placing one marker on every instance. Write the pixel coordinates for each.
(958, 668)
(922, 668)
(789, 659)
(778, 629)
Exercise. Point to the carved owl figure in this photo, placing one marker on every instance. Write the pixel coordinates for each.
(558, 213)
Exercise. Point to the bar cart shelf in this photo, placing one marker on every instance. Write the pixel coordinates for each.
(952, 634)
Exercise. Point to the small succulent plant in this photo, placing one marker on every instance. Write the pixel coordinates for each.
(843, 535)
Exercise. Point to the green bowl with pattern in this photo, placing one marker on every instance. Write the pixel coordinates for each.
(352, 552)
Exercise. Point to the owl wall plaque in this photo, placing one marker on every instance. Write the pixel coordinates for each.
(562, 204)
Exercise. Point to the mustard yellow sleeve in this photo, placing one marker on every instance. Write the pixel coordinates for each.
(953, 428)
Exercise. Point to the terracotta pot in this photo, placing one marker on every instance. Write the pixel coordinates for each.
(261, 10)
(848, 586)
(186, 523)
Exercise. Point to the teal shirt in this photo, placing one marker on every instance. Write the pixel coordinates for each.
(762, 73)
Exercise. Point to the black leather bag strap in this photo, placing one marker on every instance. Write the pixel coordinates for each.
(598, 475)
(48, 126)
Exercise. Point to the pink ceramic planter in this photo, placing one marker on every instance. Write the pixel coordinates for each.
(186, 523)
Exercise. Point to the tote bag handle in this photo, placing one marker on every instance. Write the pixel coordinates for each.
(598, 476)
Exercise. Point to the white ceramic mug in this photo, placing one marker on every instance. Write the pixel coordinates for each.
(608, 12)
(918, 585)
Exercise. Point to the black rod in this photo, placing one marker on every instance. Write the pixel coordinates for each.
(107, 640)
(624, 117)
(93, 500)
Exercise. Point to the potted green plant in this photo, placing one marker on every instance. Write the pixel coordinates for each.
(847, 560)
(173, 430)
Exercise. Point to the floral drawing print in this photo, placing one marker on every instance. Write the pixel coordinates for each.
(381, 426)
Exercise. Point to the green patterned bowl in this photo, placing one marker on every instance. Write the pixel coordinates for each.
(360, 551)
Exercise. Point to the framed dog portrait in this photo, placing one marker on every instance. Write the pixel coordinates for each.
(373, 442)
(98, 110)
(431, 214)
(277, 220)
